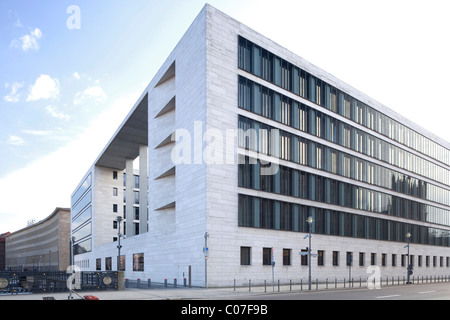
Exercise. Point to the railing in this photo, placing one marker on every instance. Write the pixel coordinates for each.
(149, 284)
(12, 282)
(332, 283)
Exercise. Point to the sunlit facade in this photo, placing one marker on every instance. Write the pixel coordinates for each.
(246, 141)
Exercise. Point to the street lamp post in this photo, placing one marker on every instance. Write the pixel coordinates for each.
(409, 268)
(119, 235)
(310, 221)
(206, 251)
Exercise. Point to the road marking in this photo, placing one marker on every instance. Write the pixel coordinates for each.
(391, 296)
(423, 292)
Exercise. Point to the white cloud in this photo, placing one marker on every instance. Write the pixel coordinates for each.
(16, 140)
(28, 41)
(93, 94)
(53, 111)
(44, 88)
(76, 75)
(13, 95)
(13, 15)
(40, 133)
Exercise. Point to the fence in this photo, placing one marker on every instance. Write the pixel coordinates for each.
(333, 283)
(12, 282)
(149, 284)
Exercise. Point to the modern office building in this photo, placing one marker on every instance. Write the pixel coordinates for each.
(239, 142)
(44, 245)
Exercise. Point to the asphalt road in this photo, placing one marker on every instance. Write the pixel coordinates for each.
(435, 291)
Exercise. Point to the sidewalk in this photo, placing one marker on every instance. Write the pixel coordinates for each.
(145, 294)
(172, 293)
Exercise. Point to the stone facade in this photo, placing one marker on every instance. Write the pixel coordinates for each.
(42, 246)
(193, 177)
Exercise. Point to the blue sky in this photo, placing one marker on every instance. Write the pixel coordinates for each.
(63, 92)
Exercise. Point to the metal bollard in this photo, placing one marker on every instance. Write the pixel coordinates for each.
(138, 283)
(184, 282)
(165, 283)
(126, 283)
(149, 283)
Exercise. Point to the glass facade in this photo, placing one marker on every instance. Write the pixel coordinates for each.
(389, 169)
(261, 63)
(81, 214)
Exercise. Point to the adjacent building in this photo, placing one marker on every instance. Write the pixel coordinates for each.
(238, 142)
(2, 251)
(43, 246)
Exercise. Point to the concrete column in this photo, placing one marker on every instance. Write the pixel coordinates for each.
(143, 193)
(130, 198)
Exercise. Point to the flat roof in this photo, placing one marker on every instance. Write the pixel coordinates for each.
(125, 143)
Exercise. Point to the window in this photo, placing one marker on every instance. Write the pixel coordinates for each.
(122, 263)
(245, 55)
(320, 258)
(136, 197)
(115, 208)
(115, 175)
(108, 264)
(115, 192)
(373, 259)
(138, 262)
(304, 258)
(349, 259)
(361, 259)
(245, 256)
(383, 260)
(98, 264)
(114, 224)
(267, 256)
(394, 260)
(335, 258)
(136, 228)
(286, 257)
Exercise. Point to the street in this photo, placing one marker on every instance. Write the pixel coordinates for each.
(435, 291)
